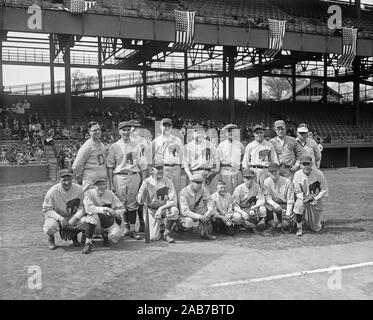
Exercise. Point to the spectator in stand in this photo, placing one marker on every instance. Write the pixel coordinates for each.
(26, 105)
(3, 160)
(328, 139)
(49, 138)
(7, 132)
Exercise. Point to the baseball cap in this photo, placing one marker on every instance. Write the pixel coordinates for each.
(302, 128)
(134, 123)
(280, 123)
(124, 124)
(273, 166)
(230, 126)
(64, 173)
(166, 121)
(248, 173)
(258, 127)
(305, 159)
(99, 180)
(197, 178)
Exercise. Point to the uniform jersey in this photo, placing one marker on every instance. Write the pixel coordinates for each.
(311, 148)
(281, 191)
(191, 202)
(288, 150)
(125, 157)
(90, 161)
(230, 154)
(93, 203)
(159, 192)
(65, 203)
(259, 154)
(201, 155)
(246, 198)
(145, 147)
(315, 184)
(222, 205)
(167, 150)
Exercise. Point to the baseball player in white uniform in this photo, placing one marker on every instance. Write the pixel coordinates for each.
(63, 207)
(279, 195)
(309, 145)
(104, 206)
(196, 207)
(168, 150)
(310, 188)
(258, 154)
(158, 193)
(230, 154)
(200, 157)
(90, 162)
(126, 171)
(249, 202)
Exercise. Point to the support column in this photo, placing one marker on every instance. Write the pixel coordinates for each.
(293, 83)
(357, 9)
(51, 63)
(231, 63)
(224, 73)
(325, 82)
(356, 91)
(1, 68)
(260, 82)
(144, 83)
(348, 157)
(99, 70)
(67, 85)
(186, 80)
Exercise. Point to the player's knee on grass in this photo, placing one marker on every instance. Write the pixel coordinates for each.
(50, 226)
(236, 218)
(173, 214)
(186, 223)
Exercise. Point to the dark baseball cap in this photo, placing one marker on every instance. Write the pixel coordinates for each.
(248, 173)
(258, 127)
(166, 121)
(65, 173)
(97, 180)
(273, 166)
(305, 159)
(123, 124)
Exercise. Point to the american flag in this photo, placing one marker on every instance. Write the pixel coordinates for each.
(184, 31)
(276, 37)
(349, 37)
(80, 6)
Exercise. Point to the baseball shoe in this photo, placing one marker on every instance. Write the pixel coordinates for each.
(134, 235)
(299, 232)
(260, 226)
(51, 243)
(279, 226)
(87, 248)
(168, 238)
(106, 241)
(208, 236)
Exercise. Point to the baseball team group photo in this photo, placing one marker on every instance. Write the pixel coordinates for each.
(217, 150)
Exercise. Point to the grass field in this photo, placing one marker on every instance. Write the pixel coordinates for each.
(135, 270)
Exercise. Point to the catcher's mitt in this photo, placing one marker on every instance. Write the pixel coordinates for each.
(67, 233)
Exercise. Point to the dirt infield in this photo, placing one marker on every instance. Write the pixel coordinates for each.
(134, 270)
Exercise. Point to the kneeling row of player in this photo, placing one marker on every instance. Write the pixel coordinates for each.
(99, 211)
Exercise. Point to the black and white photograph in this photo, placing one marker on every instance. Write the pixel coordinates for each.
(185, 154)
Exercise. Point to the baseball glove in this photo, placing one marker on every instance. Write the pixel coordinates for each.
(67, 233)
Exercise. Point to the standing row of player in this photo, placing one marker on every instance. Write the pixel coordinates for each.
(266, 168)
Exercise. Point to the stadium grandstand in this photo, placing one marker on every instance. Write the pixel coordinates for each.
(229, 39)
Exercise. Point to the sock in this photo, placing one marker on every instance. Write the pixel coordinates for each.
(298, 218)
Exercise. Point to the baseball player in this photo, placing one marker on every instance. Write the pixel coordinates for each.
(224, 217)
(126, 171)
(200, 157)
(104, 206)
(196, 207)
(158, 193)
(90, 163)
(249, 202)
(309, 145)
(146, 157)
(63, 207)
(258, 154)
(279, 195)
(287, 149)
(168, 150)
(230, 154)
(310, 188)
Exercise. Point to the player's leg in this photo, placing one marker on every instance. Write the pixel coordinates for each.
(131, 202)
(172, 215)
(299, 210)
(89, 223)
(50, 228)
(262, 218)
(312, 216)
(120, 182)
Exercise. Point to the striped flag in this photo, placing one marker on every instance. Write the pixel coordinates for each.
(80, 6)
(184, 31)
(349, 39)
(276, 37)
